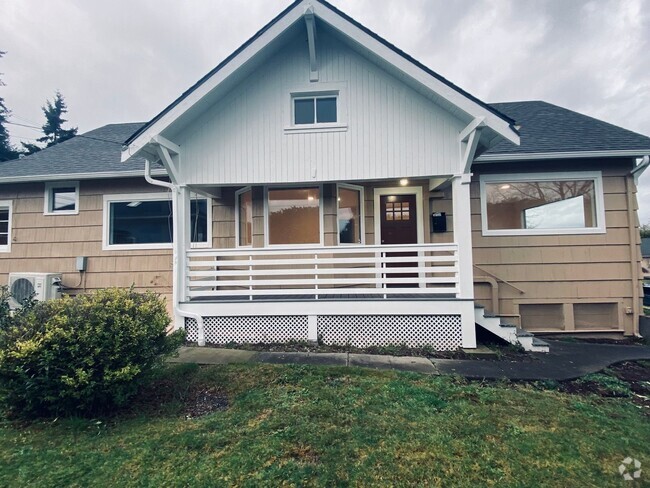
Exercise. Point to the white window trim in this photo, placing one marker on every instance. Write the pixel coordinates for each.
(127, 197)
(47, 203)
(320, 215)
(399, 190)
(238, 193)
(319, 90)
(596, 176)
(362, 214)
(9, 205)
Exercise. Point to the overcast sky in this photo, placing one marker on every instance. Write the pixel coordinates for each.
(125, 60)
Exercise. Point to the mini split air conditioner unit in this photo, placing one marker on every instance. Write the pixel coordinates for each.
(43, 286)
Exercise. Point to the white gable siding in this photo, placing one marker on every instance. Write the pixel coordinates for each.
(393, 131)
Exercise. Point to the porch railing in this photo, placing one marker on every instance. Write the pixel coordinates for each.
(323, 272)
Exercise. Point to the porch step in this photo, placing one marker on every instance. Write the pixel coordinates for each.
(508, 332)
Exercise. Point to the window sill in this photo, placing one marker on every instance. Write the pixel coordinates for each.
(542, 232)
(314, 128)
(150, 247)
(63, 212)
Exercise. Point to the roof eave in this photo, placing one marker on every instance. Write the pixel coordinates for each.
(79, 176)
(504, 157)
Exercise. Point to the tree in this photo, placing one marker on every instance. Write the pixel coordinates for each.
(645, 230)
(53, 127)
(7, 151)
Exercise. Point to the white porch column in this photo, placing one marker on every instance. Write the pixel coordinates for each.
(462, 219)
(181, 238)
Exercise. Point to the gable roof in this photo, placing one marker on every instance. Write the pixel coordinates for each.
(357, 33)
(94, 154)
(548, 131)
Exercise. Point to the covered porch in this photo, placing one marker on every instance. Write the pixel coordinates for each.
(379, 269)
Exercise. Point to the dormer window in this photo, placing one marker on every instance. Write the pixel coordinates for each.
(315, 110)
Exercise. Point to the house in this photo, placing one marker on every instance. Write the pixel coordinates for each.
(321, 184)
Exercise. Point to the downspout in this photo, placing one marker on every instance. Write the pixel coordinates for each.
(200, 326)
(633, 178)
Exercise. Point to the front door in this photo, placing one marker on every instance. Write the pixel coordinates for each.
(399, 225)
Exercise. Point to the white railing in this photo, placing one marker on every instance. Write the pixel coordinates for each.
(352, 271)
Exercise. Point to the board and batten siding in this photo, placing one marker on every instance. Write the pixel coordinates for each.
(51, 243)
(563, 270)
(392, 131)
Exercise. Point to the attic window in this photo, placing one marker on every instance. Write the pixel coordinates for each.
(315, 110)
(61, 198)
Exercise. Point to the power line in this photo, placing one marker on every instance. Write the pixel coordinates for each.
(82, 136)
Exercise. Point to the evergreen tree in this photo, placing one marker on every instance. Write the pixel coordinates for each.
(53, 127)
(7, 151)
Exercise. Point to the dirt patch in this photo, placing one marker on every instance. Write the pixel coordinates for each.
(503, 351)
(629, 379)
(205, 401)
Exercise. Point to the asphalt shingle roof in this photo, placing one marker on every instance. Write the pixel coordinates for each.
(547, 128)
(98, 151)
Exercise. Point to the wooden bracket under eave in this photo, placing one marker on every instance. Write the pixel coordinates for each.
(310, 21)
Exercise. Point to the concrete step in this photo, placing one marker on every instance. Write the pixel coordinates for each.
(508, 332)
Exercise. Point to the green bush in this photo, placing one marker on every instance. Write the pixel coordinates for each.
(82, 355)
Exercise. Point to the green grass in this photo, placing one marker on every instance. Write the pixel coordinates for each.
(302, 426)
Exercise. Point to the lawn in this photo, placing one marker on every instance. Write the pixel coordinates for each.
(302, 426)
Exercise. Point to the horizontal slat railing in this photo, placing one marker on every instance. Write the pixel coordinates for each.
(415, 269)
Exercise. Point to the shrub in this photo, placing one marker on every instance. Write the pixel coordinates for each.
(82, 355)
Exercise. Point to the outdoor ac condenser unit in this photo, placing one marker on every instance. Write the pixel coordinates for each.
(43, 286)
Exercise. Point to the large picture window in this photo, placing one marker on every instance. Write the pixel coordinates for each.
(145, 221)
(350, 214)
(5, 225)
(294, 216)
(542, 204)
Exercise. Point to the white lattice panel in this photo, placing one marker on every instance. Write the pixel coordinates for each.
(250, 329)
(443, 332)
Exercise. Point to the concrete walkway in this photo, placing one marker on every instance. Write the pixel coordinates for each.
(567, 360)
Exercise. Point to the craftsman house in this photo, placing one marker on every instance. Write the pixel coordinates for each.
(320, 184)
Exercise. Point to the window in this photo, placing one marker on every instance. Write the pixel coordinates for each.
(315, 110)
(294, 216)
(244, 217)
(350, 214)
(62, 198)
(145, 221)
(553, 203)
(5, 226)
(398, 211)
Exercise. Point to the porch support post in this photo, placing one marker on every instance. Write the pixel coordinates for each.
(463, 238)
(181, 239)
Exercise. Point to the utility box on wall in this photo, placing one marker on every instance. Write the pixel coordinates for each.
(438, 222)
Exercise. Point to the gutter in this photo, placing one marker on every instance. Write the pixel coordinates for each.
(640, 168)
(503, 157)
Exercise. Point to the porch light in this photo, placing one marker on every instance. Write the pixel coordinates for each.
(310, 197)
(403, 182)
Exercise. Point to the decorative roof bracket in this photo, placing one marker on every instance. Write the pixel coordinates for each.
(310, 21)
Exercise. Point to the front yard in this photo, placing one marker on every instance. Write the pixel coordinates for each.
(302, 425)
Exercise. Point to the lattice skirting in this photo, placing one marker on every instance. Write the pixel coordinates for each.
(265, 329)
(442, 332)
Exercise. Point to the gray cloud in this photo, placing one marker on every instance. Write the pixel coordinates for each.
(123, 61)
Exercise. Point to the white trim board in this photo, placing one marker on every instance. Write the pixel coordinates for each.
(490, 158)
(362, 213)
(239, 193)
(399, 190)
(596, 176)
